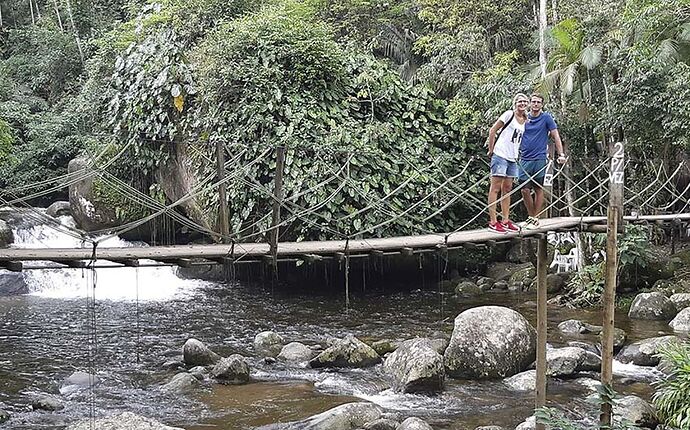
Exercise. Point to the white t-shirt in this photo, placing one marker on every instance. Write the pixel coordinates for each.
(508, 143)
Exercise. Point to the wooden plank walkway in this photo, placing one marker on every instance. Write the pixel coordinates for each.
(11, 258)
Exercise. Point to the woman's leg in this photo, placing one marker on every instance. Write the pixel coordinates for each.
(494, 188)
(506, 187)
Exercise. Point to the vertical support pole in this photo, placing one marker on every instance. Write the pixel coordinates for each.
(614, 221)
(223, 225)
(542, 266)
(277, 202)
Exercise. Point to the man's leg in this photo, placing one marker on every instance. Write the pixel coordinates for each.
(538, 201)
(528, 199)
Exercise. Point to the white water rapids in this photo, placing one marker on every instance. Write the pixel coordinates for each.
(112, 283)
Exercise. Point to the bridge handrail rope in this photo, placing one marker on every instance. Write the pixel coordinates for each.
(197, 190)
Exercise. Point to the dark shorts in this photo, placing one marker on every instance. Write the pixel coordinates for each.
(502, 167)
(531, 173)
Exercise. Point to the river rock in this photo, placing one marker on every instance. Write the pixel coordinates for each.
(348, 352)
(414, 423)
(12, 283)
(523, 381)
(529, 424)
(680, 300)
(644, 352)
(59, 208)
(591, 384)
(635, 411)
(484, 283)
(490, 342)
(268, 344)
(682, 321)
(199, 372)
(77, 381)
(502, 271)
(592, 362)
(489, 428)
(652, 306)
(6, 235)
(594, 349)
(297, 352)
(381, 424)
(47, 403)
(232, 370)
(500, 286)
(564, 361)
(123, 421)
(523, 275)
(416, 367)
(197, 354)
(467, 289)
(439, 345)
(578, 327)
(385, 346)
(349, 416)
(180, 383)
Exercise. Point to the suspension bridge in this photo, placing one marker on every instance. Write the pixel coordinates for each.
(577, 204)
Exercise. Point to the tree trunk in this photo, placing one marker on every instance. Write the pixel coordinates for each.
(38, 10)
(57, 13)
(31, 8)
(542, 38)
(1, 16)
(554, 10)
(74, 30)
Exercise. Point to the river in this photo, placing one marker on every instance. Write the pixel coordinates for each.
(143, 316)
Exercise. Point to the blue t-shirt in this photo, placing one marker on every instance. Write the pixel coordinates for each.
(536, 137)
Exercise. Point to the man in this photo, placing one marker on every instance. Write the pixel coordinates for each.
(533, 157)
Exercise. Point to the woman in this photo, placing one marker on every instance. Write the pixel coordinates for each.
(504, 146)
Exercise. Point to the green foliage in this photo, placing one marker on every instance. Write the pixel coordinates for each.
(633, 247)
(6, 141)
(586, 287)
(672, 398)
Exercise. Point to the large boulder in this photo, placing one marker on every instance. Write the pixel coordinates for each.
(564, 361)
(268, 344)
(529, 424)
(6, 235)
(681, 322)
(47, 403)
(123, 421)
(467, 289)
(197, 354)
(414, 423)
(416, 367)
(296, 352)
(12, 283)
(381, 424)
(348, 352)
(574, 327)
(349, 416)
(554, 283)
(90, 210)
(232, 370)
(490, 342)
(502, 271)
(523, 276)
(633, 410)
(652, 306)
(644, 352)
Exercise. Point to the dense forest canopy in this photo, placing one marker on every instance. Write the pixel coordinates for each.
(389, 88)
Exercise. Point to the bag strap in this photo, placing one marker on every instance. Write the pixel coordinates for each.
(512, 115)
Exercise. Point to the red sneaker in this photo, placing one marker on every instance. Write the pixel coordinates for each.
(509, 226)
(497, 227)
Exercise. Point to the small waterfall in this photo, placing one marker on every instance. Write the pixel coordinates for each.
(116, 283)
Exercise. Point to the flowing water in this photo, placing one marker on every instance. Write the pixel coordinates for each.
(143, 316)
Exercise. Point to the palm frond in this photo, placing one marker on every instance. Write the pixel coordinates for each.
(668, 51)
(591, 56)
(567, 79)
(684, 32)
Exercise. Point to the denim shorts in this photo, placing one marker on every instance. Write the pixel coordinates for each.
(532, 172)
(502, 167)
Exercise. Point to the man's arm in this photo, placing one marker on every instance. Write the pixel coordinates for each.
(556, 137)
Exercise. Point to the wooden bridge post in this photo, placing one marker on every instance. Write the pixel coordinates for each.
(542, 266)
(223, 224)
(614, 220)
(277, 202)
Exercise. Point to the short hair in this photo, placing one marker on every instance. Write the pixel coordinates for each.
(538, 95)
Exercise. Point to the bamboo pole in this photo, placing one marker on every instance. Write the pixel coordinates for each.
(277, 202)
(57, 13)
(223, 225)
(31, 7)
(615, 211)
(542, 266)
